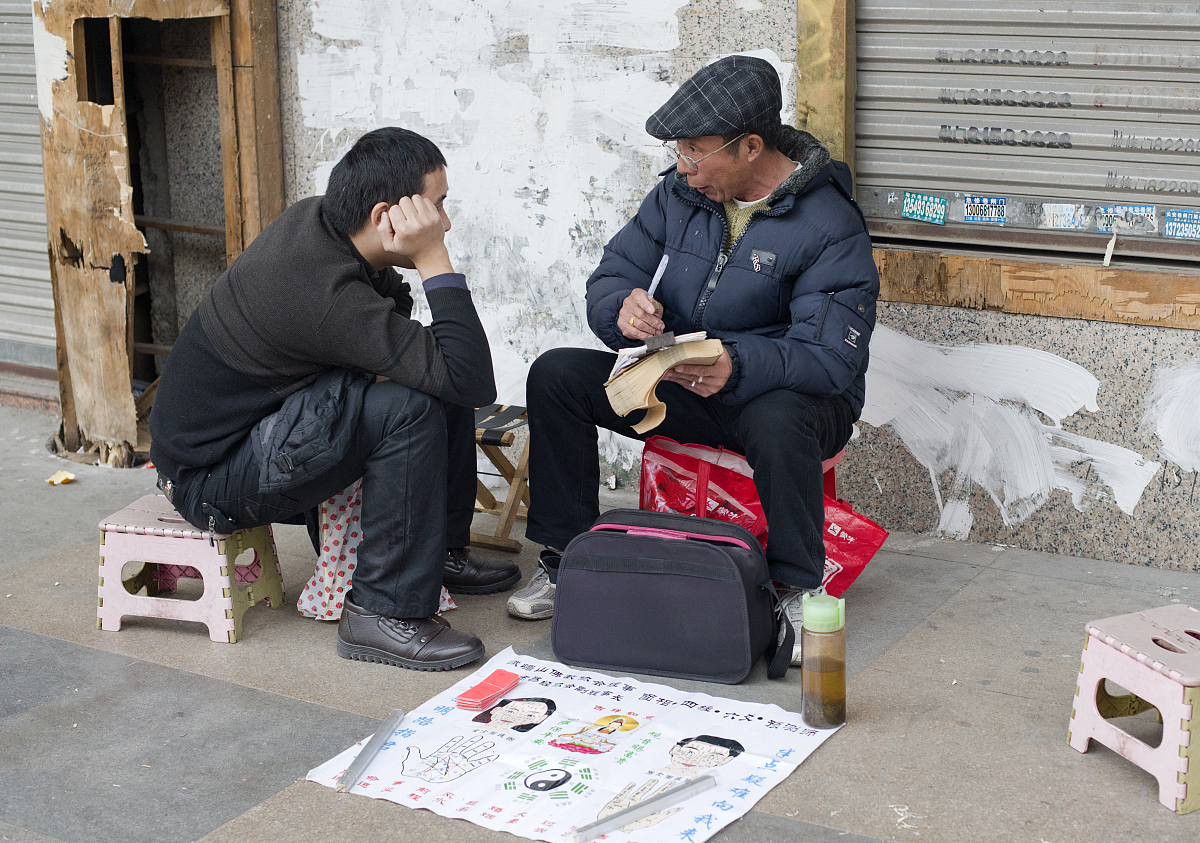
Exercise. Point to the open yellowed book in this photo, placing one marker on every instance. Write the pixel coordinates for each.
(633, 388)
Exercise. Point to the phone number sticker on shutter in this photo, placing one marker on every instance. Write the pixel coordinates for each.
(924, 207)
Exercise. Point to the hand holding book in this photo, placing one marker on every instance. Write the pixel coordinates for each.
(704, 380)
(632, 386)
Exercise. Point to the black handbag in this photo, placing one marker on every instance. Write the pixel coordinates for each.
(669, 595)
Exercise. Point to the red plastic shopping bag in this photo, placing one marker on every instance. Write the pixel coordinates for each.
(698, 480)
(851, 540)
(716, 483)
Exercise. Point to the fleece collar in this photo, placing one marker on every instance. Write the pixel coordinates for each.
(797, 145)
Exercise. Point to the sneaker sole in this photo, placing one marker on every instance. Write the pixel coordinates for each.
(532, 616)
(503, 585)
(359, 652)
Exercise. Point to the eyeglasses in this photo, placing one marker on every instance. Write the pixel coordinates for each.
(694, 164)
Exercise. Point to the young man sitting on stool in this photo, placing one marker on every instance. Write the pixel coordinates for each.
(270, 402)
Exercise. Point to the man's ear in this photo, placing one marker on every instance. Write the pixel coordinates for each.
(754, 146)
(378, 213)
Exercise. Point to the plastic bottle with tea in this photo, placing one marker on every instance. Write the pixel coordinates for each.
(823, 661)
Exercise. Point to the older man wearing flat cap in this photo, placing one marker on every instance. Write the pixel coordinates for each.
(768, 253)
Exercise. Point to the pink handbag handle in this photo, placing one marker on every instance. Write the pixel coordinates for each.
(660, 533)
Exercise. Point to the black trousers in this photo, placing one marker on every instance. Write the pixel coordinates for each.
(784, 435)
(416, 457)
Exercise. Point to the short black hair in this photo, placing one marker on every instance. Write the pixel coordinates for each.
(486, 716)
(382, 166)
(769, 131)
(735, 748)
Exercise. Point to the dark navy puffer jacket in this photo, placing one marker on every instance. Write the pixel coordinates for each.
(794, 302)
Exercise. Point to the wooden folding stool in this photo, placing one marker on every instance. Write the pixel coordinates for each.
(495, 428)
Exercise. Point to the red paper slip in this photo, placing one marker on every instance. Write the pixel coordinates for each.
(488, 691)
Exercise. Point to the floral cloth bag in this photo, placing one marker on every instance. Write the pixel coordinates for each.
(341, 533)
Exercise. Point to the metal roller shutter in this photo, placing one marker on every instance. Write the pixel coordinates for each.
(26, 300)
(1034, 125)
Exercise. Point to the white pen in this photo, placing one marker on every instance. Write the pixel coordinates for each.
(658, 274)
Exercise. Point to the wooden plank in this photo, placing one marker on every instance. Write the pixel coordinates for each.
(255, 56)
(825, 87)
(506, 438)
(115, 58)
(495, 543)
(146, 400)
(80, 54)
(130, 58)
(89, 222)
(487, 501)
(69, 430)
(268, 127)
(99, 364)
(1160, 298)
(518, 492)
(155, 9)
(172, 225)
(230, 155)
(243, 86)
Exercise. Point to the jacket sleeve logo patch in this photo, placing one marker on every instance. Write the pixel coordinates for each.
(852, 336)
(760, 259)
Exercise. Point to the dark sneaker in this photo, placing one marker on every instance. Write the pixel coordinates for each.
(466, 573)
(417, 643)
(535, 601)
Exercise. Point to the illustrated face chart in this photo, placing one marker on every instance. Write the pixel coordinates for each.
(567, 746)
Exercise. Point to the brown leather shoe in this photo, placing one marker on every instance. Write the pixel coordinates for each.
(466, 573)
(417, 643)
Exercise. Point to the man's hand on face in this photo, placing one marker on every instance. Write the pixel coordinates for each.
(703, 380)
(412, 229)
(641, 316)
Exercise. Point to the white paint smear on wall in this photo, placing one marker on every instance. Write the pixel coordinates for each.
(1174, 414)
(969, 410)
(50, 62)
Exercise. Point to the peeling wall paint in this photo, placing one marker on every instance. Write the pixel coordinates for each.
(540, 110)
(970, 411)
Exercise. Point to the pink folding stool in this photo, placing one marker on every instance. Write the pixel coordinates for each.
(151, 532)
(1155, 655)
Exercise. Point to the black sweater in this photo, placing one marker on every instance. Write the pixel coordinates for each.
(299, 301)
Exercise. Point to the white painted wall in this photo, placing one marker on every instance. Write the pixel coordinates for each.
(540, 108)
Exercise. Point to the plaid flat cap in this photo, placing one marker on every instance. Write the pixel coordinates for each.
(729, 95)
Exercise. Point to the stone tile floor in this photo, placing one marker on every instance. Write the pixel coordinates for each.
(962, 670)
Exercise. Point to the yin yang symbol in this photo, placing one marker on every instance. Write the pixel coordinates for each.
(544, 780)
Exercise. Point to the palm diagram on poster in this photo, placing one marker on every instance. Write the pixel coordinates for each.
(454, 759)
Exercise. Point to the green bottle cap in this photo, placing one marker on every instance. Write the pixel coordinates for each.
(823, 613)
